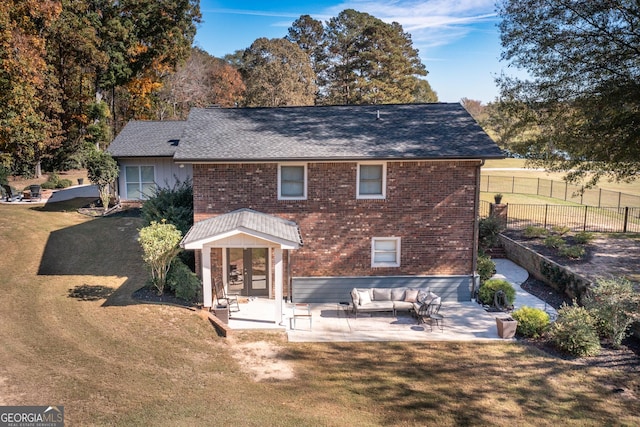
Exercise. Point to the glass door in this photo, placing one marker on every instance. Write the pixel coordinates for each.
(248, 271)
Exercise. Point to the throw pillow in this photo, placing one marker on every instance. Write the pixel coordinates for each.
(411, 295)
(422, 295)
(365, 298)
(355, 296)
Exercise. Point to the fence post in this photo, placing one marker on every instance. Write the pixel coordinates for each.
(538, 188)
(513, 183)
(619, 198)
(551, 191)
(546, 208)
(626, 219)
(599, 197)
(566, 189)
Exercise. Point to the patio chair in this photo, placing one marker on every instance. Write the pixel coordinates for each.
(36, 192)
(230, 300)
(301, 311)
(10, 194)
(431, 313)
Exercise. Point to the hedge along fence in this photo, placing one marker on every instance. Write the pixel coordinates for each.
(558, 190)
(542, 268)
(576, 218)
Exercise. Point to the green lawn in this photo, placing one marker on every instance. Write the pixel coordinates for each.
(71, 335)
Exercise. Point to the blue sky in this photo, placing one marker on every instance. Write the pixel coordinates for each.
(458, 40)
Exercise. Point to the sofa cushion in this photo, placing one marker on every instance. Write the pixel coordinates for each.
(411, 295)
(365, 298)
(403, 305)
(397, 294)
(382, 294)
(422, 295)
(355, 296)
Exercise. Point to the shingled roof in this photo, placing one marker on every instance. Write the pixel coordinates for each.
(147, 139)
(246, 221)
(354, 132)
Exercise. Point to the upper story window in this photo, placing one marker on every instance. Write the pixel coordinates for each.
(140, 181)
(292, 182)
(385, 252)
(372, 181)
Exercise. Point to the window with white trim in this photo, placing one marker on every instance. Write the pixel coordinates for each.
(292, 182)
(140, 181)
(385, 252)
(372, 181)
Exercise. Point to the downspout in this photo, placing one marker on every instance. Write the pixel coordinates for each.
(476, 233)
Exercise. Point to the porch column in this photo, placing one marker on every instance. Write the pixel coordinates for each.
(207, 297)
(278, 275)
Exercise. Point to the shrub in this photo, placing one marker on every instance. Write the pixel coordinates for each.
(560, 229)
(64, 183)
(532, 322)
(532, 232)
(488, 289)
(159, 242)
(554, 242)
(183, 282)
(488, 229)
(174, 205)
(48, 185)
(615, 305)
(486, 267)
(571, 252)
(574, 332)
(583, 237)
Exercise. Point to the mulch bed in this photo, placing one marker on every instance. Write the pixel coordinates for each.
(626, 358)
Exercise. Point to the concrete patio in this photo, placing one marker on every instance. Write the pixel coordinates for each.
(463, 321)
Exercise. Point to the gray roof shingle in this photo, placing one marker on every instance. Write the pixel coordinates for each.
(354, 132)
(247, 220)
(147, 139)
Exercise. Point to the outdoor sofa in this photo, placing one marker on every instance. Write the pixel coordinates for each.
(367, 300)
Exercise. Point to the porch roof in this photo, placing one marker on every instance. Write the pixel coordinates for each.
(243, 221)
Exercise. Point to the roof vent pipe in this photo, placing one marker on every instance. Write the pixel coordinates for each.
(378, 115)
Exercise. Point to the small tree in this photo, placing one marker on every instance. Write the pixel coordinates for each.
(159, 243)
(615, 305)
(102, 170)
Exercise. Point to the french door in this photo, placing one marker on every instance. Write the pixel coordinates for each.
(248, 271)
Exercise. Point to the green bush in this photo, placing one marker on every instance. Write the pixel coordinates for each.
(64, 183)
(554, 242)
(488, 229)
(532, 232)
(571, 252)
(486, 267)
(48, 185)
(532, 322)
(183, 282)
(488, 289)
(583, 237)
(615, 305)
(574, 332)
(560, 229)
(173, 205)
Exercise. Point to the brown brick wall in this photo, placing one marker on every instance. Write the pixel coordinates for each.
(430, 205)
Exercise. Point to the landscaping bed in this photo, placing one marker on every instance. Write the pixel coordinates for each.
(605, 256)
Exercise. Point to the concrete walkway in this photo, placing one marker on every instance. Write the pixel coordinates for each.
(463, 321)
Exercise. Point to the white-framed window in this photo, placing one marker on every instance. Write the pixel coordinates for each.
(385, 252)
(292, 182)
(371, 181)
(140, 181)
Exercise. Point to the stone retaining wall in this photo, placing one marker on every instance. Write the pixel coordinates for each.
(542, 268)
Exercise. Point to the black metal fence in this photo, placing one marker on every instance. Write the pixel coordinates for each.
(557, 190)
(576, 218)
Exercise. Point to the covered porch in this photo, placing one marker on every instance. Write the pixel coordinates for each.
(243, 251)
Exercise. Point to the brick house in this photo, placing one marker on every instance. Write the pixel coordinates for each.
(309, 202)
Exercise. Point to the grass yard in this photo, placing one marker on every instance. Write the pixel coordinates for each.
(71, 335)
(510, 168)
